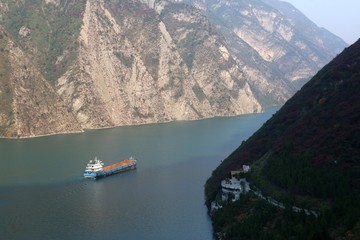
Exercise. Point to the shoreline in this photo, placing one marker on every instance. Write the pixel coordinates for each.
(128, 125)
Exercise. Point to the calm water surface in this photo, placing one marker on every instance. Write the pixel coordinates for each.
(43, 194)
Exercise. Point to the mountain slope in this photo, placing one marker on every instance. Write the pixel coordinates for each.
(115, 63)
(307, 154)
(112, 63)
(286, 47)
(138, 75)
(29, 105)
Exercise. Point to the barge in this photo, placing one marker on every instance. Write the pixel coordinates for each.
(96, 169)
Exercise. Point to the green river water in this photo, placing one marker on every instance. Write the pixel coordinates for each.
(43, 194)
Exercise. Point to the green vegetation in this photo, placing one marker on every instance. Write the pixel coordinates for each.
(196, 32)
(141, 29)
(258, 178)
(307, 155)
(299, 175)
(6, 89)
(252, 218)
(189, 44)
(126, 60)
(50, 32)
(193, 40)
(199, 93)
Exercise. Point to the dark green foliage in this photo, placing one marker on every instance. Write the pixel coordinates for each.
(53, 32)
(190, 43)
(6, 89)
(298, 175)
(199, 93)
(197, 31)
(126, 60)
(251, 218)
(141, 29)
(308, 153)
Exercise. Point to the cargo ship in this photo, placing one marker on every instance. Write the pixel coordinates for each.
(96, 169)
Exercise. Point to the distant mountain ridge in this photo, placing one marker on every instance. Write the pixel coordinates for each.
(72, 65)
(307, 154)
(286, 47)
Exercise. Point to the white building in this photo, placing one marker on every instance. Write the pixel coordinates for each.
(233, 187)
(246, 168)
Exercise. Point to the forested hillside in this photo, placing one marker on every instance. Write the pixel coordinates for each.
(307, 155)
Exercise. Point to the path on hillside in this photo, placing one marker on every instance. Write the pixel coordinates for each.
(283, 206)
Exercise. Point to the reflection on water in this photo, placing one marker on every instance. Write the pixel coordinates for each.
(43, 195)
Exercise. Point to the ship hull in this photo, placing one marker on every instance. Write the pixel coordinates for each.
(115, 171)
(112, 169)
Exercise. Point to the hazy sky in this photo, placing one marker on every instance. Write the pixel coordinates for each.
(341, 17)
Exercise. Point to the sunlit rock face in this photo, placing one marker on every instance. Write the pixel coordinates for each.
(276, 47)
(75, 65)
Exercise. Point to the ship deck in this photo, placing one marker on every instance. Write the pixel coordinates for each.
(119, 164)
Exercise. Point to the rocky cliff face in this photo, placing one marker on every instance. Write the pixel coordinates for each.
(29, 104)
(130, 71)
(68, 66)
(277, 48)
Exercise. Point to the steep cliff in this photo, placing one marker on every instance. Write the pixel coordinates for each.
(306, 155)
(29, 104)
(276, 47)
(131, 72)
(116, 63)
(111, 63)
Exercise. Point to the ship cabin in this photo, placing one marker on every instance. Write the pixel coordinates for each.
(94, 165)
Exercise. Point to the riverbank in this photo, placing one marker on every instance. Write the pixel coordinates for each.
(129, 125)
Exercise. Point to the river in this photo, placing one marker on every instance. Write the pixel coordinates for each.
(43, 194)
